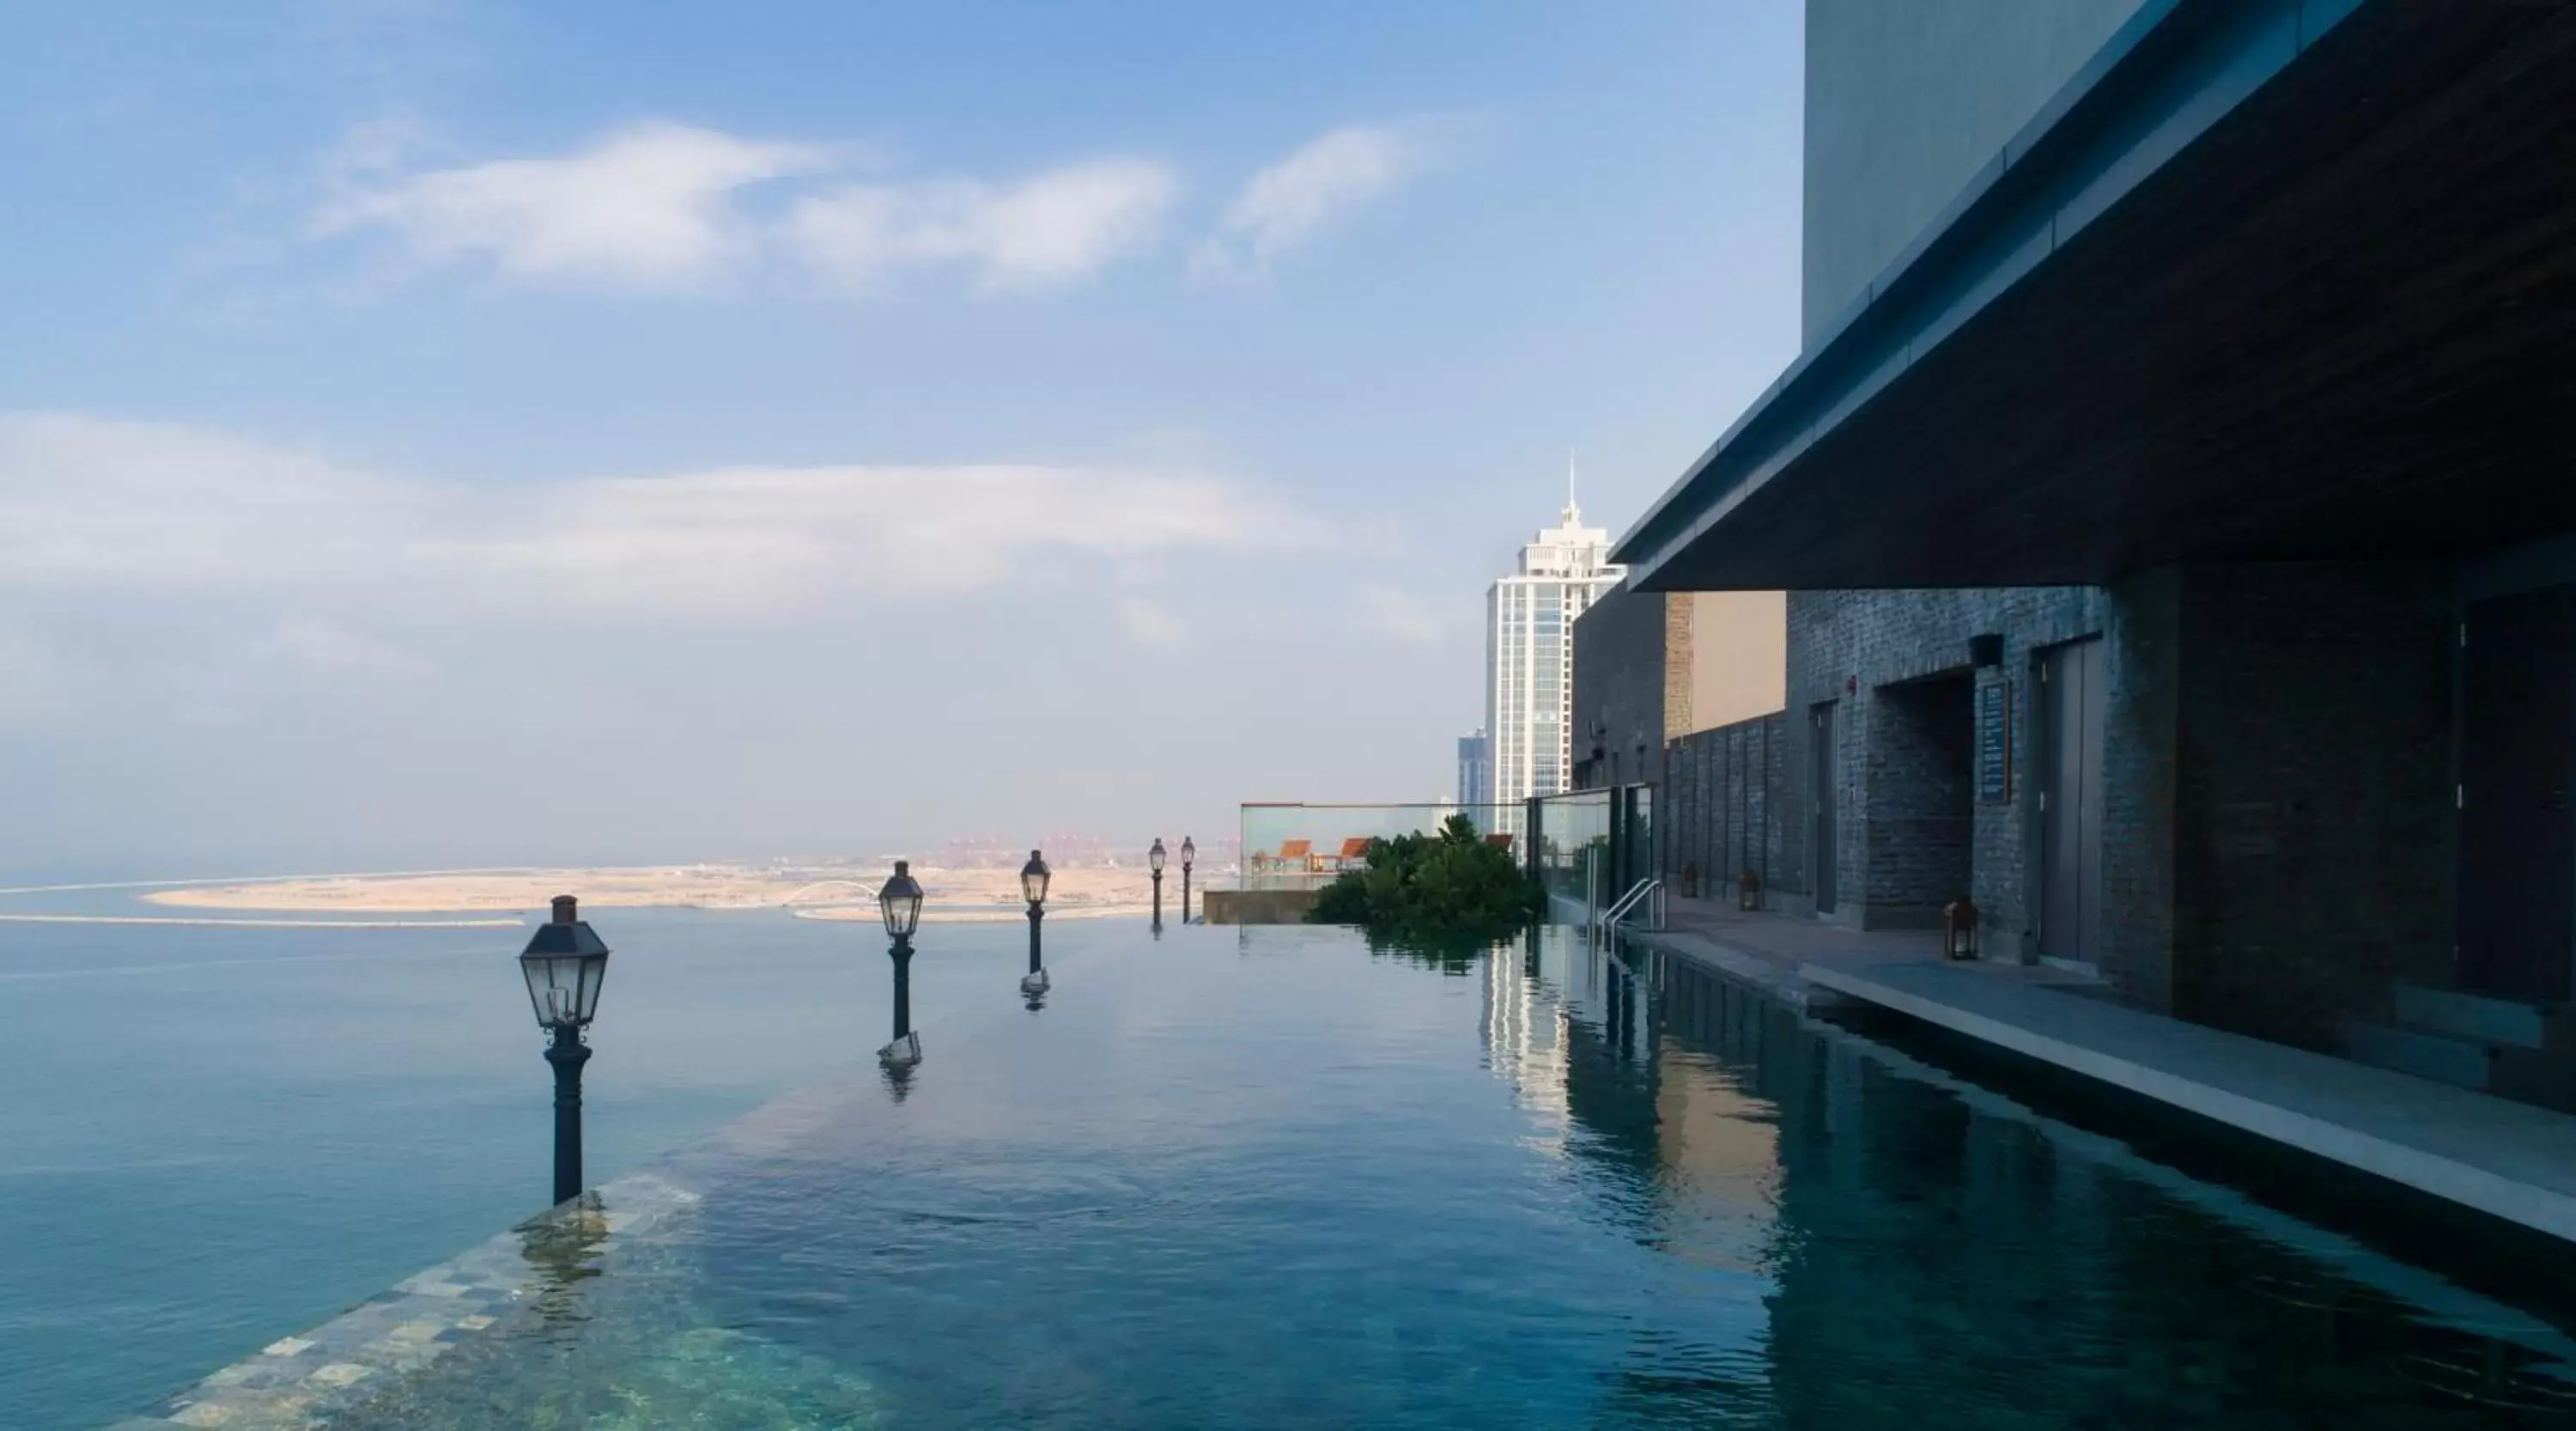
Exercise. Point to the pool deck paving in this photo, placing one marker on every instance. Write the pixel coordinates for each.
(2505, 1159)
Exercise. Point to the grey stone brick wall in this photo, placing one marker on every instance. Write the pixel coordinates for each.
(2313, 794)
(1620, 646)
(1723, 818)
(2142, 624)
(1919, 780)
(2276, 788)
(1844, 647)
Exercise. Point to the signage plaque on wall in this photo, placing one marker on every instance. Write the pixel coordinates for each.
(1994, 743)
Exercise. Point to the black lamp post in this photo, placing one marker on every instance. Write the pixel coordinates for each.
(1033, 886)
(1154, 861)
(564, 964)
(900, 903)
(1189, 856)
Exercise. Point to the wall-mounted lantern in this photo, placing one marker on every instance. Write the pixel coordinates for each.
(1959, 929)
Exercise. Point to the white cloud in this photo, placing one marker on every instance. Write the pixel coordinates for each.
(649, 206)
(1057, 227)
(668, 206)
(1302, 196)
(88, 504)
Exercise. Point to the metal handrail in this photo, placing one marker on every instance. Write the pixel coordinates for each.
(1643, 892)
(1628, 901)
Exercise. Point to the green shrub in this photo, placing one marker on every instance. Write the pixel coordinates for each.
(1444, 887)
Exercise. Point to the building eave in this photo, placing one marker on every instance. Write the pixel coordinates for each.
(2174, 70)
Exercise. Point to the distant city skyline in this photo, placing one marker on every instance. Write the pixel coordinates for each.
(462, 433)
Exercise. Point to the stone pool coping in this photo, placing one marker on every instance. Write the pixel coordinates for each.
(1808, 988)
(2506, 1160)
(296, 1382)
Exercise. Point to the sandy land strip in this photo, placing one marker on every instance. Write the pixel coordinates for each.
(262, 923)
(933, 914)
(816, 891)
(252, 879)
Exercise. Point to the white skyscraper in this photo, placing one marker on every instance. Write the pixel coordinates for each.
(1529, 653)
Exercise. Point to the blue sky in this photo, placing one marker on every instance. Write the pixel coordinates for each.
(824, 428)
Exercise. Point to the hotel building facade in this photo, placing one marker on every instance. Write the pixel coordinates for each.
(1529, 654)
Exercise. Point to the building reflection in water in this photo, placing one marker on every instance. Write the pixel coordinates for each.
(1922, 1251)
(1524, 1028)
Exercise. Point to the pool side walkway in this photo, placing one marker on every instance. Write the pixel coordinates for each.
(2505, 1159)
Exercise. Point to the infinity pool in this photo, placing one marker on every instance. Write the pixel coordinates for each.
(1273, 1179)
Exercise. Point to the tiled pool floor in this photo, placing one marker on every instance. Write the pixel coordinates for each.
(1267, 1178)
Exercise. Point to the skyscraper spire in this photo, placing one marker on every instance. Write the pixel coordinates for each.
(1573, 513)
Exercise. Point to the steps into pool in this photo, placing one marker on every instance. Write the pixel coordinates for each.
(2508, 1047)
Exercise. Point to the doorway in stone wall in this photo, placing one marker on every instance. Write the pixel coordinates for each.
(1922, 792)
(2066, 763)
(1824, 772)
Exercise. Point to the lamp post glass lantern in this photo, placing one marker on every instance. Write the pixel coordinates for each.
(564, 965)
(900, 902)
(1034, 877)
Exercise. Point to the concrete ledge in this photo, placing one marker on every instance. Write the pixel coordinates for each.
(1776, 980)
(1256, 906)
(2507, 1160)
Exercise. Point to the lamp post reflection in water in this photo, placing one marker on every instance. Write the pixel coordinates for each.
(564, 1248)
(1154, 861)
(1033, 887)
(564, 965)
(900, 903)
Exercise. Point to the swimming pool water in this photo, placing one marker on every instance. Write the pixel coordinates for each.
(1269, 1178)
(210, 1136)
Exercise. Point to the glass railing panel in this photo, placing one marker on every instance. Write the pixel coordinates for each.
(1289, 844)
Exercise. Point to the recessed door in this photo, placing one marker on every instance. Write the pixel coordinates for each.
(2068, 716)
(2517, 889)
(1821, 768)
